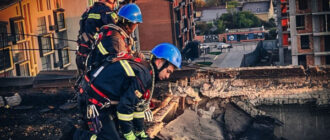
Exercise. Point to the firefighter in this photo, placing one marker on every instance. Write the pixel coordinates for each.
(101, 13)
(122, 91)
(114, 40)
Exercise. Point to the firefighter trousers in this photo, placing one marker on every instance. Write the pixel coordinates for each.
(106, 116)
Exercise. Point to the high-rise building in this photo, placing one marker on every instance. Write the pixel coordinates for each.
(309, 31)
(166, 21)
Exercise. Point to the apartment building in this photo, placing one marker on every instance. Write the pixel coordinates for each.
(166, 21)
(309, 26)
(33, 37)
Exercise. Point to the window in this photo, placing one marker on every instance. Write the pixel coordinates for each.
(62, 41)
(304, 42)
(58, 4)
(3, 34)
(45, 61)
(178, 14)
(6, 61)
(327, 60)
(303, 4)
(49, 7)
(327, 43)
(300, 22)
(65, 56)
(42, 27)
(326, 5)
(21, 53)
(17, 29)
(23, 69)
(45, 44)
(39, 4)
(302, 60)
(60, 21)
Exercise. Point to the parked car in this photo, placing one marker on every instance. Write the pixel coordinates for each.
(203, 46)
(223, 45)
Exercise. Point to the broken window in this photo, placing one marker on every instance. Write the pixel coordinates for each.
(300, 22)
(303, 4)
(304, 42)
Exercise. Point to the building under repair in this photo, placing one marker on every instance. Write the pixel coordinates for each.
(290, 102)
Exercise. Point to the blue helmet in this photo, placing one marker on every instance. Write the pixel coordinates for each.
(131, 12)
(168, 52)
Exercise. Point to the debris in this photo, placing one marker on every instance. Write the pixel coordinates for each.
(190, 126)
(68, 106)
(11, 101)
(23, 107)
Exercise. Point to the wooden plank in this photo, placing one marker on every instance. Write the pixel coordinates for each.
(163, 104)
(154, 129)
(161, 114)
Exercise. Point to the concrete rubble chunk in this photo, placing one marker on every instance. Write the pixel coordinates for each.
(236, 120)
(190, 126)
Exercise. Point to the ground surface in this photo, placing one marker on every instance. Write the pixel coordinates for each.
(38, 117)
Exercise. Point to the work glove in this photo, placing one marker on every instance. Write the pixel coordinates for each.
(130, 136)
(148, 115)
(142, 135)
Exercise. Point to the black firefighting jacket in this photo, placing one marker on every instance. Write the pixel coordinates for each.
(91, 21)
(125, 81)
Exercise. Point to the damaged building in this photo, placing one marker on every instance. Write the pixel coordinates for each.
(234, 103)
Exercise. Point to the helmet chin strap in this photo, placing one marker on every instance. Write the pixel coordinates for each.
(157, 71)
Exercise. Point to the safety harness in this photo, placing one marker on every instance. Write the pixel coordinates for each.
(86, 41)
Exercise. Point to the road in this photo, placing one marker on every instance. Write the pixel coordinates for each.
(230, 57)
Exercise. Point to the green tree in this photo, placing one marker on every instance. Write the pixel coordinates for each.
(204, 28)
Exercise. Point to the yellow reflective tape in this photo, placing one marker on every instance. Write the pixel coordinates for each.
(93, 137)
(127, 67)
(102, 49)
(138, 115)
(96, 36)
(125, 117)
(94, 16)
(114, 16)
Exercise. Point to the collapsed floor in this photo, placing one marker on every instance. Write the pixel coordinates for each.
(210, 104)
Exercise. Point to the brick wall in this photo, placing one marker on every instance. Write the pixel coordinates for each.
(310, 60)
(308, 10)
(156, 27)
(308, 25)
(305, 50)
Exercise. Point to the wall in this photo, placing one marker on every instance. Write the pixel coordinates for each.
(72, 17)
(156, 27)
